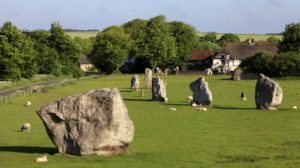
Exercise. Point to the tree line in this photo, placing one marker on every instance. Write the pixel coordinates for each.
(151, 43)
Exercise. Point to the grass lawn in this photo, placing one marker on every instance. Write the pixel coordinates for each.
(232, 134)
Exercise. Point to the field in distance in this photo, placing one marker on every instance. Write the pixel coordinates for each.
(243, 37)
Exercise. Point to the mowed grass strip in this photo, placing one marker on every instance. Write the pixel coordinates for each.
(231, 134)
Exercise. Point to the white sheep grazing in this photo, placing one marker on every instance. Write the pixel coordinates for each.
(201, 109)
(25, 127)
(194, 105)
(42, 159)
(244, 98)
(28, 103)
(190, 99)
(294, 107)
(166, 100)
(172, 109)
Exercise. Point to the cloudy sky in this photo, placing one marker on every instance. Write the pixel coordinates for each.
(236, 16)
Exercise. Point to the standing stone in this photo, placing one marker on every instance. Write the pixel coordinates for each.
(159, 90)
(135, 83)
(176, 70)
(148, 78)
(93, 123)
(166, 72)
(268, 93)
(237, 74)
(201, 93)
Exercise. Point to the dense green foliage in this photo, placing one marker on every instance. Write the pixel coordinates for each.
(84, 44)
(17, 57)
(232, 134)
(291, 38)
(185, 38)
(67, 50)
(229, 38)
(110, 49)
(209, 37)
(158, 45)
(280, 65)
(273, 39)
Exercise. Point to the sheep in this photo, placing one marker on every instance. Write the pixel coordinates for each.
(243, 96)
(201, 109)
(294, 107)
(28, 103)
(41, 159)
(166, 100)
(190, 99)
(194, 105)
(172, 109)
(25, 127)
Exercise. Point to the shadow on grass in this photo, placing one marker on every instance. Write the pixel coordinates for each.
(29, 149)
(125, 90)
(176, 104)
(233, 108)
(144, 100)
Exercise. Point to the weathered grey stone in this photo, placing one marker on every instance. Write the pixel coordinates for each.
(135, 83)
(93, 123)
(237, 74)
(268, 93)
(201, 92)
(148, 78)
(176, 69)
(159, 92)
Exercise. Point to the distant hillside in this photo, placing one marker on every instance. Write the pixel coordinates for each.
(243, 37)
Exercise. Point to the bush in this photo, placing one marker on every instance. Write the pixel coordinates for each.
(279, 65)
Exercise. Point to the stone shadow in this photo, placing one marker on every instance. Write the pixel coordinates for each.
(144, 100)
(234, 108)
(29, 149)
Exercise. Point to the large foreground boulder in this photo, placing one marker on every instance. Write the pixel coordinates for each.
(159, 92)
(201, 92)
(268, 93)
(93, 123)
(148, 78)
(135, 83)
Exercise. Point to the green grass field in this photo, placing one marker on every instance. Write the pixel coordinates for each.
(83, 35)
(232, 134)
(243, 37)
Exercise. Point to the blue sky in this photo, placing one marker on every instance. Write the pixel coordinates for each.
(236, 16)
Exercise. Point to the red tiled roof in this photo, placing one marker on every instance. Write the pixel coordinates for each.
(200, 55)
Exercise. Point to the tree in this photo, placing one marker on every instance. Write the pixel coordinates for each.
(67, 50)
(17, 56)
(274, 40)
(135, 29)
(258, 63)
(291, 38)
(210, 37)
(85, 44)
(158, 45)
(185, 38)
(229, 38)
(110, 49)
(47, 58)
